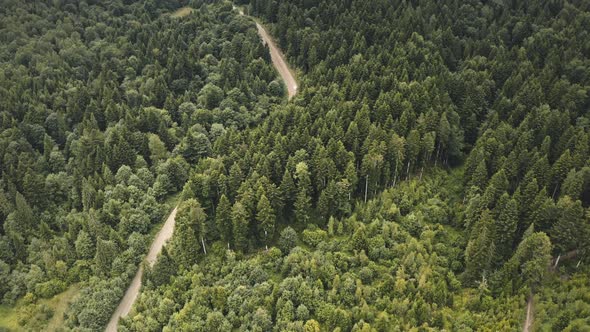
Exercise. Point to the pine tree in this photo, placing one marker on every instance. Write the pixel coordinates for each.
(24, 216)
(526, 194)
(163, 269)
(84, 246)
(188, 232)
(240, 222)
(302, 207)
(571, 231)
(505, 229)
(265, 217)
(235, 178)
(106, 251)
(480, 249)
(288, 191)
(498, 185)
(560, 169)
(542, 171)
(223, 219)
(303, 199)
(542, 212)
(479, 179)
(573, 185)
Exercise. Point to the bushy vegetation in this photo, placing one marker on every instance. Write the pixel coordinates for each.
(435, 159)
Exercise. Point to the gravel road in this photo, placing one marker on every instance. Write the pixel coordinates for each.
(278, 59)
(126, 303)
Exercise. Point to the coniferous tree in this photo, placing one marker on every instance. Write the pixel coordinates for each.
(571, 230)
(240, 224)
(303, 199)
(265, 216)
(480, 249)
(288, 190)
(188, 233)
(505, 229)
(223, 219)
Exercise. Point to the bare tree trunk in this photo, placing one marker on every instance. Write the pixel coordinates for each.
(366, 186)
(408, 171)
(557, 261)
(421, 172)
(437, 151)
(203, 243)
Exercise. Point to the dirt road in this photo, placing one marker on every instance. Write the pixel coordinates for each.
(165, 233)
(131, 294)
(529, 314)
(278, 59)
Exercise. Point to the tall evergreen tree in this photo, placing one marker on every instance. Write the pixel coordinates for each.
(265, 216)
(480, 249)
(223, 219)
(240, 223)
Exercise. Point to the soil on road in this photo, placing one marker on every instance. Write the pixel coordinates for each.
(131, 294)
(529, 314)
(278, 60)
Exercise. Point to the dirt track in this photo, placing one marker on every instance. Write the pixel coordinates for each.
(165, 233)
(131, 294)
(278, 60)
(529, 314)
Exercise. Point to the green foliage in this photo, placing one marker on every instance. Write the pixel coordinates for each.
(288, 239)
(265, 216)
(110, 107)
(240, 223)
(188, 232)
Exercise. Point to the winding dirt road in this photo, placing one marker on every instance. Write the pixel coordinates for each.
(529, 314)
(131, 294)
(278, 59)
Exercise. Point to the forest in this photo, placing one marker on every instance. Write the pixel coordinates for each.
(431, 173)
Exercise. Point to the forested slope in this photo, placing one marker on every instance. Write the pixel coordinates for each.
(104, 107)
(435, 158)
(392, 91)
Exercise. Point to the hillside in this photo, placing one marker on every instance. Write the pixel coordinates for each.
(430, 168)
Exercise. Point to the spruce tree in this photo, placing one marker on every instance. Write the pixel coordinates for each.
(240, 224)
(188, 233)
(505, 229)
(223, 219)
(265, 216)
(480, 249)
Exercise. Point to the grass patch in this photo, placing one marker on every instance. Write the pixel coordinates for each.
(59, 304)
(182, 12)
(9, 315)
(8, 319)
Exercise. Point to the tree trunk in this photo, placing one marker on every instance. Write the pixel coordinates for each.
(408, 171)
(555, 191)
(203, 243)
(366, 186)
(437, 152)
(557, 261)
